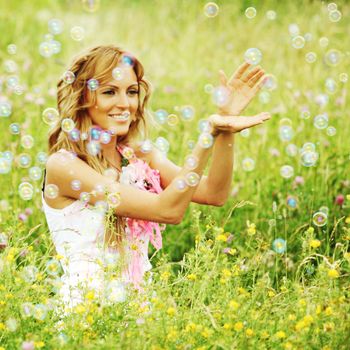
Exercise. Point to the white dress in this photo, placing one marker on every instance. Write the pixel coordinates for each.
(77, 233)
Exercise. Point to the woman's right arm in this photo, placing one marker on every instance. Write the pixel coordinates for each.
(167, 207)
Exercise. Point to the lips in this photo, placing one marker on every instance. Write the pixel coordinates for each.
(120, 117)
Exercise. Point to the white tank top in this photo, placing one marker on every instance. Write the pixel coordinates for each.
(77, 233)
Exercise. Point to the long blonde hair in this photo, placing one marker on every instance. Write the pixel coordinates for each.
(97, 63)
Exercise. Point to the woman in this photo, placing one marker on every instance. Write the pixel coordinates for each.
(106, 194)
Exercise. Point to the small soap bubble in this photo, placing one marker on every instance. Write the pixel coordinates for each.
(75, 185)
(191, 144)
(187, 113)
(118, 73)
(26, 309)
(324, 209)
(53, 267)
(11, 324)
(205, 140)
(208, 88)
(162, 144)
(292, 150)
(308, 158)
(51, 191)
(245, 133)
(67, 124)
(50, 116)
(293, 29)
(68, 77)
(93, 148)
(5, 109)
(172, 119)
(93, 84)
(323, 41)
(286, 132)
(253, 56)
(27, 141)
(343, 77)
(35, 173)
(56, 46)
(298, 42)
(127, 60)
(192, 179)
(191, 162)
(220, 95)
(292, 202)
(308, 146)
(55, 26)
(211, 9)
(308, 37)
(10, 66)
(331, 85)
(40, 312)
(128, 153)
(279, 245)
(332, 6)
(161, 116)
(45, 49)
(271, 15)
(310, 57)
(335, 16)
(331, 131)
(26, 191)
(146, 146)
(319, 219)
(84, 197)
(287, 171)
(91, 5)
(105, 137)
(77, 33)
(15, 128)
(264, 97)
(270, 82)
(333, 57)
(24, 160)
(95, 133)
(5, 165)
(180, 185)
(113, 200)
(12, 49)
(248, 164)
(321, 121)
(250, 12)
(41, 157)
(29, 273)
(74, 135)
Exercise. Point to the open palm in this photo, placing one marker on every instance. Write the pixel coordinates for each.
(243, 85)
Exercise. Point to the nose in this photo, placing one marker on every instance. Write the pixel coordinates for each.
(122, 101)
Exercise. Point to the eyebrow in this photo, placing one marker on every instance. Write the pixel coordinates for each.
(117, 87)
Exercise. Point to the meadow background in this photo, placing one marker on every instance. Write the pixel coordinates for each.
(259, 272)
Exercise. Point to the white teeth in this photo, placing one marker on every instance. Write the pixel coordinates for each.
(122, 117)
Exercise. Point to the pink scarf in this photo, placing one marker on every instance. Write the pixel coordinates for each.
(139, 174)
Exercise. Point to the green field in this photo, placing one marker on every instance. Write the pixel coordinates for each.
(269, 269)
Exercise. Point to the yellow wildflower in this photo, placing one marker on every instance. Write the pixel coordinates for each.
(227, 326)
(251, 228)
(191, 327)
(2, 287)
(291, 317)
(328, 311)
(192, 277)
(314, 243)
(280, 335)
(348, 197)
(39, 344)
(249, 332)
(2, 302)
(90, 295)
(171, 311)
(234, 305)
(90, 319)
(271, 293)
(288, 345)
(2, 326)
(318, 309)
(172, 335)
(59, 257)
(264, 335)
(332, 273)
(347, 256)
(302, 302)
(221, 238)
(165, 276)
(238, 326)
(347, 220)
(206, 333)
(226, 273)
(79, 309)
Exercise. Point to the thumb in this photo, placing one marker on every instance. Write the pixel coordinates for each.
(223, 78)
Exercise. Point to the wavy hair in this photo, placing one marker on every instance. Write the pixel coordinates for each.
(97, 63)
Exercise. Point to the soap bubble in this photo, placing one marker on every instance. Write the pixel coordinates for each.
(308, 158)
(208, 88)
(310, 57)
(324, 209)
(191, 162)
(75, 185)
(270, 82)
(93, 84)
(24, 160)
(319, 219)
(161, 116)
(95, 133)
(279, 245)
(11, 324)
(321, 121)
(187, 113)
(27, 141)
(293, 29)
(27, 309)
(5, 109)
(118, 73)
(333, 57)
(128, 153)
(45, 49)
(331, 85)
(191, 144)
(15, 128)
(68, 77)
(12, 49)
(29, 273)
(127, 60)
(271, 15)
(162, 144)
(245, 133)
(253, 56)
(264, 97)
(84, 197)
(250, 12)
(308, 146)
(298, 42)
(74, 135)
(77, 33)
(5, 165)
(323, 41)
(331, 131)
(51, 191)
(41, 157)
(67, 124)
(287, 171)
(146, 146)
(10, 66)
(172, 119)
(286, 132)
(332, 6)
(105, 137)
(50, 116)
(292, 150)
(91, 5)
(55, 26)
(115, 291)
(335, 16)
(53, 267)
(292, 202)
(40, 311)
(211, 9)
(93, 148)
(180, 185)
(308, 37)
(35, 173)
(220, 95)
(248, 164)
(192, 179)
(205, 140)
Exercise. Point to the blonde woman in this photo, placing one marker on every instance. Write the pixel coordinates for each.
(106, 193)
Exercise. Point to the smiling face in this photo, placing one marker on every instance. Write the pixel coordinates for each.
(117, 102)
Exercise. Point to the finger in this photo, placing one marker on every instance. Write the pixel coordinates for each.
(256, 78)
(251, 74)
(241, 69)
(223, 77)
(260, 84)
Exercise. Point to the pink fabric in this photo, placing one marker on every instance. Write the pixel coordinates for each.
(143, 177)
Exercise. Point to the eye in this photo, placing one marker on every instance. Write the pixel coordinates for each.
(133, 92)
(109, 92)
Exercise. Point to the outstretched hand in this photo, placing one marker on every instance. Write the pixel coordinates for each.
(235, 124)
(242, 87)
